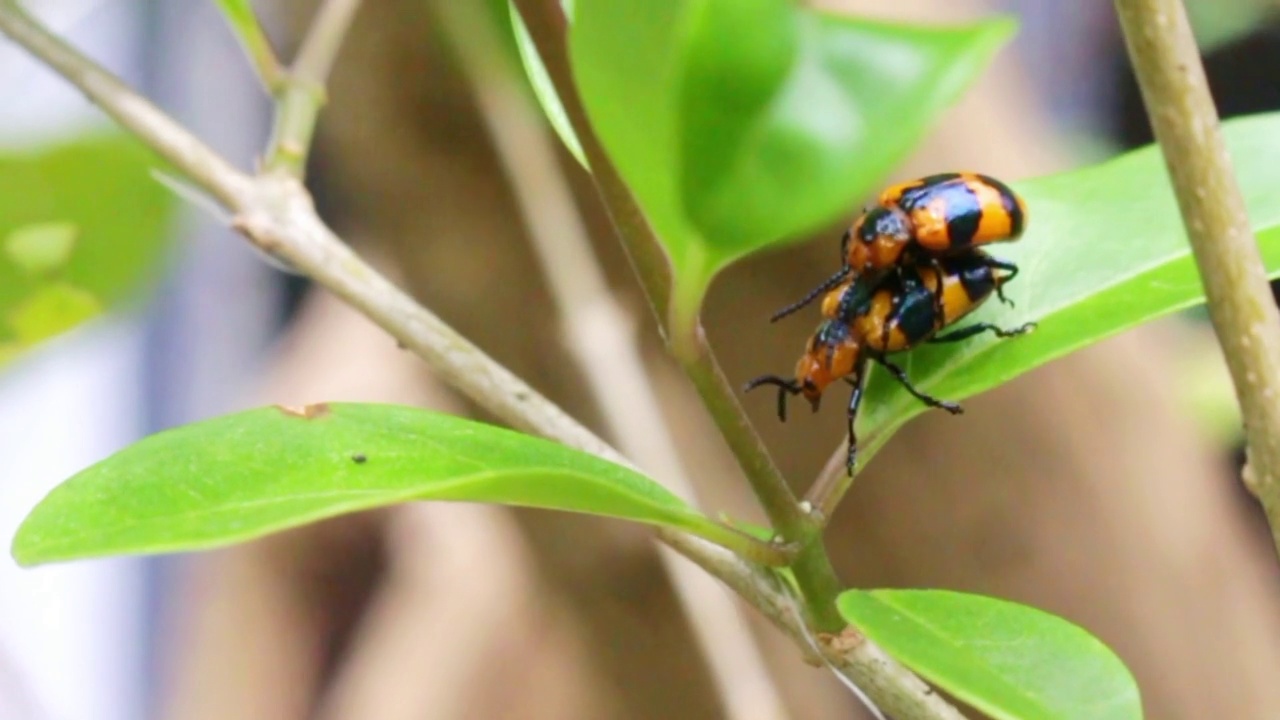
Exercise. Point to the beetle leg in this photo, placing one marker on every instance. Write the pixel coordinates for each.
(855, 401)
(1013, 273)
(925, 398)
(978, 328)
(785, 387)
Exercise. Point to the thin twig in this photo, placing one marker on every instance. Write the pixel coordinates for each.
(546, 24)
(602, 337)
(248, 30)
(323, 40)
(895, 690)
(302, 93)
(834, 480)
(1176, 93)
(832, 483)
(276, 213)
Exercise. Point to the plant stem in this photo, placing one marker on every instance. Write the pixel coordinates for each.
(1245, 319)
(323, 40)
(829, 488)
(814, 573)
(276, 213)
(244, 23)
(897, 691)
(297, 110)
(302, 93)
(602, 337)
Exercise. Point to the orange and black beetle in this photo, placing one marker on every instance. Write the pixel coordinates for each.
(937, 216)
(901, 311)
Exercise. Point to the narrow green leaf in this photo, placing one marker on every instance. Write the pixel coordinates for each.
(1009, 661)
(1104, 251)
(41, 247)
(542, 86)
(740, 125)
(242, 476)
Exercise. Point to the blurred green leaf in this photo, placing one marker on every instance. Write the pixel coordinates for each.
(1204, 388)
(51, 309)
(740, 125)
(1009, 661)
(1219, 22)
(96, 190)
(242, 476)
(1104, 251)
(41, 248)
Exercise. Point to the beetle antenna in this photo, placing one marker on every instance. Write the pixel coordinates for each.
(785, 387)
(826, 285)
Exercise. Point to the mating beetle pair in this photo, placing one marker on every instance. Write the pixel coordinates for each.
(911, 267)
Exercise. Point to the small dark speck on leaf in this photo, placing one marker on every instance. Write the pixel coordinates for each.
(307, 412)
(359, 458)
(400, 344)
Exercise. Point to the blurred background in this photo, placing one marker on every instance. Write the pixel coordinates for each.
(1102, 487)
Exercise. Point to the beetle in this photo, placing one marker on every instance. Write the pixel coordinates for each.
(937, 216)
(902, 311)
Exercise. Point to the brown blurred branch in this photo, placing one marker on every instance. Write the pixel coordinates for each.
(1185, 121)
(275, 212)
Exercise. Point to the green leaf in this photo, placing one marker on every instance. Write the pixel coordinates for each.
(1104, 251)
(541, 83)
(244, 475)
(1009, 661)
(790, 116)
(42, 247)
(51, 309)
(744, 124)
(95, 190)
(1220, 22)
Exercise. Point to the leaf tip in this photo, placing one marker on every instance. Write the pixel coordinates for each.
(23, 551)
